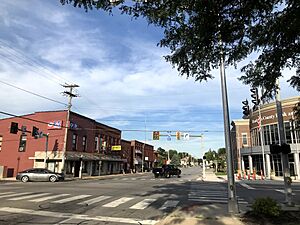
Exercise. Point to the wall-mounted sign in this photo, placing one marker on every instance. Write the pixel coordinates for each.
(55, 124)
(116, 148)
(73, 125)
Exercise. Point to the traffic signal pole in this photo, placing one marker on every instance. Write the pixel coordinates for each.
(284, 156)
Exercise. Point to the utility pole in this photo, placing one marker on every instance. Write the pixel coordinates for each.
(262, 143)
(70, 95)
(284, 157)
(232, 199)
(143, 152)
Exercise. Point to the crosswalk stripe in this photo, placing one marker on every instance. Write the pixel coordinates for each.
(71, 199)
(28, 196)
(5, 193)
(16, 194)
(246, 186)
(94, 200)
(105, 219)
(283, 191)
(143, 204)
(48, 198)
(117, 202)
(169, 204)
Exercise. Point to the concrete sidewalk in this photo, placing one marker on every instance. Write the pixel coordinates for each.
(208, 214)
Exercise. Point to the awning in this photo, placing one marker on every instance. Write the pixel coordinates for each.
(85, 156)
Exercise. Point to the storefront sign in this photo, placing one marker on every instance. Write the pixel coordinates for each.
(116, 148)
(55, 124)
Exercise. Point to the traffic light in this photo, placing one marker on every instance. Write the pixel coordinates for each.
(35, 132)
(155, 135)
(178, 135)
(246, 110)
(254, 95)
(275, 149)
(283, 148)
(14, 128)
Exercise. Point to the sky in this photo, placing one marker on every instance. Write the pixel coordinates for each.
(123, 79)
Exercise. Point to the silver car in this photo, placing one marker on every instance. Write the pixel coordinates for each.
(39, 174)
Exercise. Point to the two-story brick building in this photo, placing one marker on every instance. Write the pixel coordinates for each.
(88, 148)
(253, 137)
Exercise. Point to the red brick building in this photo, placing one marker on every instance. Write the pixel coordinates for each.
(138, 150)
(88, 145)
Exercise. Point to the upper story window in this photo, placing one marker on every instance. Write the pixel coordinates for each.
(244, 139)
(74, 142)
(96, 143)
(22, 143)
(84, 143)
(1, 139)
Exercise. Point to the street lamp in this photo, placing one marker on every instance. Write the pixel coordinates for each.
(232, 199)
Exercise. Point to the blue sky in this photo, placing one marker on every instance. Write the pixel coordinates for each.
(124, 80)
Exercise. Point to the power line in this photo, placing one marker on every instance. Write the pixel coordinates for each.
(124, 130)
(30, 92)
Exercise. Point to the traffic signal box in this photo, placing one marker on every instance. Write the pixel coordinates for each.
(255, 97)
(155, 135)
(14, 128)
(35, 132)
(283, 148)
(246, 110)
(178, 134)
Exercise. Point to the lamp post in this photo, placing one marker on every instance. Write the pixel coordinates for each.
(232, 199)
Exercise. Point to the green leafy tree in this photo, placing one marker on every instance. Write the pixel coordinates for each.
(199, 32)
(175, 160)
(211, 155)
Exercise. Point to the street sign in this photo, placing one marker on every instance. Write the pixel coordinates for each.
(116, 148)
(186, 136)
(169, 136)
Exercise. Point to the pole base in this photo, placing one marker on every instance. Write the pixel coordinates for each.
(233, 207)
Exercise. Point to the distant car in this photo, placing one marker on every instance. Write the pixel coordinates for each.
(39, 174)
(166, 171)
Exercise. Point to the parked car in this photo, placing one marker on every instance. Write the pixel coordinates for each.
(39, 174)
(166, 171)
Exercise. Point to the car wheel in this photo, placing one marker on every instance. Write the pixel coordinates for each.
(25, 179)
(52, 179)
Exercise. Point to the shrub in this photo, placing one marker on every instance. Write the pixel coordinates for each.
(266, 206)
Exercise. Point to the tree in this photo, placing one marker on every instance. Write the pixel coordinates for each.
(210, 155)
(198, 32)
(175, 160)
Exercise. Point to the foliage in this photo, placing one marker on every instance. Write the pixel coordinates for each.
(266, 206)
(211, 155)
(175, 160)
(199, 32)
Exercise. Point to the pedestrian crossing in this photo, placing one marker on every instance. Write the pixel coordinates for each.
(216, 193)
(105, 201)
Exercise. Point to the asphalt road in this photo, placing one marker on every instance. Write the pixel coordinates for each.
(127, 199)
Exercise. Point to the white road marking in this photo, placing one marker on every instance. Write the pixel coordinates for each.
(143, 204)
(48, 198)
(246, 186)
(29, 196)
(169, 204)
(283, 191)
(78, 216)
(117, 202)
(16, 194)
(94, 200)
(71, 199)
(5, 193)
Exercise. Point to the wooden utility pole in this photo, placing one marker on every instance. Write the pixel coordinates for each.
(70, 95)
